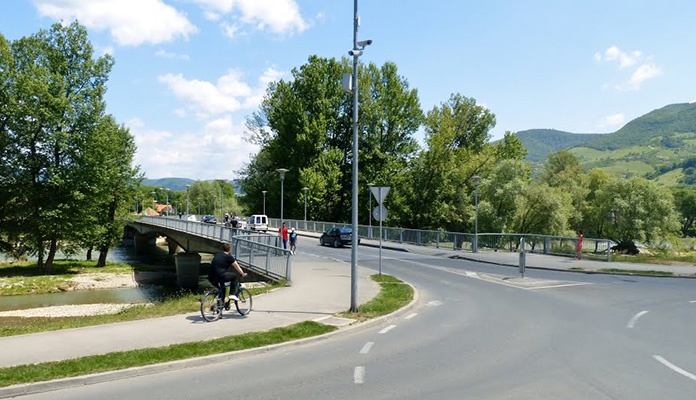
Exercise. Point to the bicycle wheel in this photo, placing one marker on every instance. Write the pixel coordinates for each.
(244, 303)
(210, 310)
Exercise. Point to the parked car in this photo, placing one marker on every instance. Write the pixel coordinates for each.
(337, 237)
(209, 219)
(191, 218)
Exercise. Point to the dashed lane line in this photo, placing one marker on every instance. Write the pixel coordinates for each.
(359, 375)
(409, 316)
(387, 329)
(366, 348)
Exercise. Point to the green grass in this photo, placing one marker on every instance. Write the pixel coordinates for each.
(180, 302)
(393, 295)
(134, 358)
(635, 272)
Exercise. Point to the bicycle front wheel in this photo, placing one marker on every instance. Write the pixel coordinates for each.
(210, 309)
(244, 303)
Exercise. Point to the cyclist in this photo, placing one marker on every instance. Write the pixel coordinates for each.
(225, 268)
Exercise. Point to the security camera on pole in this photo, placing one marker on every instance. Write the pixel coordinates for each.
(380, 214)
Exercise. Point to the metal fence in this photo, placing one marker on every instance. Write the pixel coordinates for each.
(542, 244)
(257, 252)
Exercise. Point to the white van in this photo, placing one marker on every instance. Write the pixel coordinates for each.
(258, 223)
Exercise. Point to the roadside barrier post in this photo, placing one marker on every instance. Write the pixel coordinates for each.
(523, 257)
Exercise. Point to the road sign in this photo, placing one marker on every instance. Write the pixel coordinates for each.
(380, 193)
(380, 213)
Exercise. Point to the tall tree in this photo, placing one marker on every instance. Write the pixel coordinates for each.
(305, 125)
(441, 186)
(56, 126)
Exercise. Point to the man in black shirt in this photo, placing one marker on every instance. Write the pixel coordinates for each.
(220, 271)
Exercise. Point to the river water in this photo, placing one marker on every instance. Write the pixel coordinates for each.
(153, 288)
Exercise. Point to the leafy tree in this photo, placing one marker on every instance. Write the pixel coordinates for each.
(641, 211)
(498, 194)
(441, 186)
(53, 125)
(542, 209)
(305, 125)
(564, 171)
(685, 201)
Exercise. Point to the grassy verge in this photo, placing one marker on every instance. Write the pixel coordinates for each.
(393, 295)
(127, 359)
(635, 272)
(181, 302)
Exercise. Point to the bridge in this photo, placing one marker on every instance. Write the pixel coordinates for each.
(255, 252)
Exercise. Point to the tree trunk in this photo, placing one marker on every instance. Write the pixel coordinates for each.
(51, 255)
(102, 256)
(89, 254)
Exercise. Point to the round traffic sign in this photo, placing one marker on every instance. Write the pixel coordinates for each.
(379, 213)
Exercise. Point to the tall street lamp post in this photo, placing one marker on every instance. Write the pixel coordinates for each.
(305, 189)
(264, 201)
(222, 200)
(166, 190)
(369, 211)
(358, 47)
(476, 179)
(187, 199)
(282, 172)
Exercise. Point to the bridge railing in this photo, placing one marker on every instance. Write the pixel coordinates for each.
(542, 244)
(254, 251)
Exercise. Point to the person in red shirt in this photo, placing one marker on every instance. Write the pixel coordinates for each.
(578, 246)
(283, 232)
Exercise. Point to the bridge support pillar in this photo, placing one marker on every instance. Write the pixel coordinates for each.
(140, 242)
(188, 266)
(172, 245)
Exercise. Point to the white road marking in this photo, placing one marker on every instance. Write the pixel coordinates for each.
(322, 318)
(692, 301)
(410, 316)
(366, 348)
(359, 375)
(434, 303)
(633, 320)
(387, 329)
(674, 367)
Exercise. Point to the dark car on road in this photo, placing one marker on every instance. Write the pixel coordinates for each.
(209, 219)
(337, 237)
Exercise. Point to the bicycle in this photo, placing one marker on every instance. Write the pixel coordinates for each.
(213, 303)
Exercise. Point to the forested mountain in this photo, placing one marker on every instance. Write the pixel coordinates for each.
(656, 145)
(176, 184)
(542, 142)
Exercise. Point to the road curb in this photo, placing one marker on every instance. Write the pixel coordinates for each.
(83, 380)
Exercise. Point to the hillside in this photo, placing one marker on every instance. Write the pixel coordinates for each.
(175, 184)
(542, 142)
(665, 124)
(659, 145)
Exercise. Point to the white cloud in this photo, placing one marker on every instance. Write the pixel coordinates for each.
(612, 121)
(643, 73)
(277, 16)
(131, 22)
(229, 94)
(166, 54)
(218, 150)
(645, 70)
(625, 59)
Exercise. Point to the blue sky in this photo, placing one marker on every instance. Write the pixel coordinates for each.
(189, 72)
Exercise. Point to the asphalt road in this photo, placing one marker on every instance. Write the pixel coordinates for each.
(478, 332)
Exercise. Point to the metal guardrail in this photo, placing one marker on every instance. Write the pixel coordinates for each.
(252, 250)
(541, 244)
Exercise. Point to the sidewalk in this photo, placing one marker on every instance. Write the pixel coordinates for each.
(320, 288)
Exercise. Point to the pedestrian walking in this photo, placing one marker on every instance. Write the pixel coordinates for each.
(578, 245)
(293, 241)
(283, 232)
